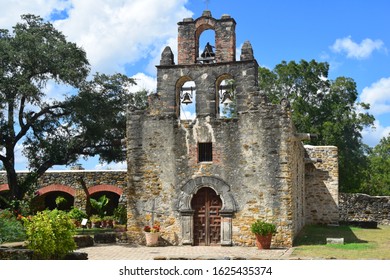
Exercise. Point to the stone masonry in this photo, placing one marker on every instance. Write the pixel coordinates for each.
(259, 165)
(363, 207)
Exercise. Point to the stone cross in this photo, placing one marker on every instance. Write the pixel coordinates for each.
(153, 211)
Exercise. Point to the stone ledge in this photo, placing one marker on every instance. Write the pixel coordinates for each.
(105, 237)
(16, 254)
(83, 241)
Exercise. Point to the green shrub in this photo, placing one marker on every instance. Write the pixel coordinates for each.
(263, 228)
(11, 230)
(50, 234)
(100, 205)
(120, 214)
(77, 214)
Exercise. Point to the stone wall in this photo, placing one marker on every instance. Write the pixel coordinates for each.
(67, 181)
(255, 156)
(362, 207)
(321, 185)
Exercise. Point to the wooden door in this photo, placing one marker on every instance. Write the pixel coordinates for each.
(207, 221)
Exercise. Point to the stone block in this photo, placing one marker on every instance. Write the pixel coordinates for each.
(83, 241)
(16, 254)
(106, 237)
(335, 240)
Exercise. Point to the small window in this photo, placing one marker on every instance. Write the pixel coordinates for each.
(205, 152)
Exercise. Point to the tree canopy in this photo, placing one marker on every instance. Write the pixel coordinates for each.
(89, 120)
(328, 108)
(378, 171)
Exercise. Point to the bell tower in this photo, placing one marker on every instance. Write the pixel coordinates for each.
(207, 68)
(189, 34)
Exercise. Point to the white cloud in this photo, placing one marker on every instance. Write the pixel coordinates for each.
(20, 160)
(144, 82)
(112, 166)
(378, 96)
(156, 54)
(372, 137)
(113, 33)
(11, 10)
(187, 115)
(117, 33)
(355, 50)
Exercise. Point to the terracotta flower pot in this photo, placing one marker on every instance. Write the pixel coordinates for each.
(263, 241)
(151, 238)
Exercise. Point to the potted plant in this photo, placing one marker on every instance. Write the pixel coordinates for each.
(96, 221)
(77, 215)
(263, 232)
(109, 221)
(151, 235)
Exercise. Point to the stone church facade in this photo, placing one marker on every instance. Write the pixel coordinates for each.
(205, 181)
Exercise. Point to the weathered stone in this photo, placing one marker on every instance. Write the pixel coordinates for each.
(333, 240)
(105, 237)
(361, 208)
(76, 256)
(83, 241)
(16, 254)
(257, 166)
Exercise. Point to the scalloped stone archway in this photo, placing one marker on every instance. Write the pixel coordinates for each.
(188, 190)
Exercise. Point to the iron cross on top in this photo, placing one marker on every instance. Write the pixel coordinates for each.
(207, 3)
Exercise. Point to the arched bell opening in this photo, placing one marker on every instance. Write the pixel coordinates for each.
(205, 44)
(226, 97)
(186, 99)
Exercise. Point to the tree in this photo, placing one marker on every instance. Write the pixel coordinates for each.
(324, 107)
(89, 121)
(378, 172)
(99, 205)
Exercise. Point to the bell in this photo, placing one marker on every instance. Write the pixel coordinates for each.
(186, 99)
(226, 99)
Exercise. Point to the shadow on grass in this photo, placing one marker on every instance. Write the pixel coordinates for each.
(317, 234)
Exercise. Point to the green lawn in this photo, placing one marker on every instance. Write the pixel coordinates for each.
(359, 243)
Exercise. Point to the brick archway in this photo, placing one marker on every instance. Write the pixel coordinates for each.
(56, 188)
(4, 187)
(105, 188)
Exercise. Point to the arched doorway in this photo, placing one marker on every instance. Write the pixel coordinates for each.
(188, 200)
(207, 220)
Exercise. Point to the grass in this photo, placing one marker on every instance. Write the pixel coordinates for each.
(359, 243)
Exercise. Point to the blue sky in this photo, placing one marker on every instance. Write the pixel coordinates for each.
(128, 36)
